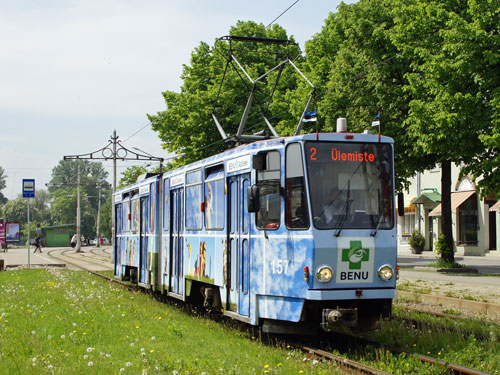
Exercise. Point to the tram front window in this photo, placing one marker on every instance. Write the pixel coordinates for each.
(350, 185)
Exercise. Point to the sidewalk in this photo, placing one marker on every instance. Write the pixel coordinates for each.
(493, 255)
(19, 257)
(57, 257)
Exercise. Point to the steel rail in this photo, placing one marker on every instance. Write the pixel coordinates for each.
(344, 363)
(453, 369)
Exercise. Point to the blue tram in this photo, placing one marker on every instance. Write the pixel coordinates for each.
(287, 233)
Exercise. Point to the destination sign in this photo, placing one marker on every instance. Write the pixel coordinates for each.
(338, 153)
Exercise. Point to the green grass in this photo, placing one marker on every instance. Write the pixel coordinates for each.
(455, 345)
(70, 322)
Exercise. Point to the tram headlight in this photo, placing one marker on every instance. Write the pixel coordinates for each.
(385, 272)
(324, 274)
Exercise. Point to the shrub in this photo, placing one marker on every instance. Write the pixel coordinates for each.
(417, 241)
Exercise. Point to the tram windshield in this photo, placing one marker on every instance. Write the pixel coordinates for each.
(350, 185)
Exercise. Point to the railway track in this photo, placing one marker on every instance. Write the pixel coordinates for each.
(346, 364)
(422, 324)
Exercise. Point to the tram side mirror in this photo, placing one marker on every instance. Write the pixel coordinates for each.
(253, 195)
(401, 204)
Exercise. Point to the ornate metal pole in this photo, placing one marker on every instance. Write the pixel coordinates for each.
(116, 151)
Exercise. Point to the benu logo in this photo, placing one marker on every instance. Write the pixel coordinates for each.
(355, 255)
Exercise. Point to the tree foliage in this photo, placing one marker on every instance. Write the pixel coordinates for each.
(106, 219)
(453, 81)
(130, 175)
(430, 68)
(187, 128)
(360, 73)
(63, 188)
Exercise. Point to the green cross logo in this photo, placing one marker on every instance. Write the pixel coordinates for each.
(355, 255)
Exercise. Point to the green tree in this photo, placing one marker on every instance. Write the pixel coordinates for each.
(130, 175)
(3, 184)
(360, 73)
(41, 203)
(106, 219)
(63, 210)
(63, 189)
(187, 128)
(16, 210)
(450, 104)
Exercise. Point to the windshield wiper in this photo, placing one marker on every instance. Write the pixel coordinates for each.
(375, 230)
(345, 210)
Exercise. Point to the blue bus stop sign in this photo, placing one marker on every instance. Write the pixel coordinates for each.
(28, 188)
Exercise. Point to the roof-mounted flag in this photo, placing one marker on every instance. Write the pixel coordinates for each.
(376, 120)
(311, 116)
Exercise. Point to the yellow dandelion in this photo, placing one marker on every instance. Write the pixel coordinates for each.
(279, 365)
(137, 327)
(301, 372)
(84, 333)
(266, 371)
(439, 353)
(266, 366)
(152, 351)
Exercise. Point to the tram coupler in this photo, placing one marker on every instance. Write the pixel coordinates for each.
(332, 318)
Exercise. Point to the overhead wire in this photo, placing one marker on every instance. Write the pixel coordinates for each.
(137, 132)
(286, 10)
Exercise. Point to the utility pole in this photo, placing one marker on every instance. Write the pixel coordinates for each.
(29, 235)
(98, 225)
(78, 226)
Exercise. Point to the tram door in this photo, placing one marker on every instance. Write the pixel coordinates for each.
(117, 240)
(144, 230)
(238, 239)
(177, 240)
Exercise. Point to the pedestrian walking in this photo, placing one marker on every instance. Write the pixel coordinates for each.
(74, 240)
(38, 243)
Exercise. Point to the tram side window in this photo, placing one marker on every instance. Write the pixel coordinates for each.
(152, 208)
(268, 180)
(118, 218)
(125, 213)
(166, 194)
(135, 215)
(296, 211)
(214, 198)
(193, 200)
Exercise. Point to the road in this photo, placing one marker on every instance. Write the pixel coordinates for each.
(93, 258)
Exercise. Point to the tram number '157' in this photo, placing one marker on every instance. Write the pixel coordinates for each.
(279, 266)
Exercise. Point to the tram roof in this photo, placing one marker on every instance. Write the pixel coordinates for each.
(269, 143)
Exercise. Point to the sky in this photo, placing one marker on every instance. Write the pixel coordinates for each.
(72, 71)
